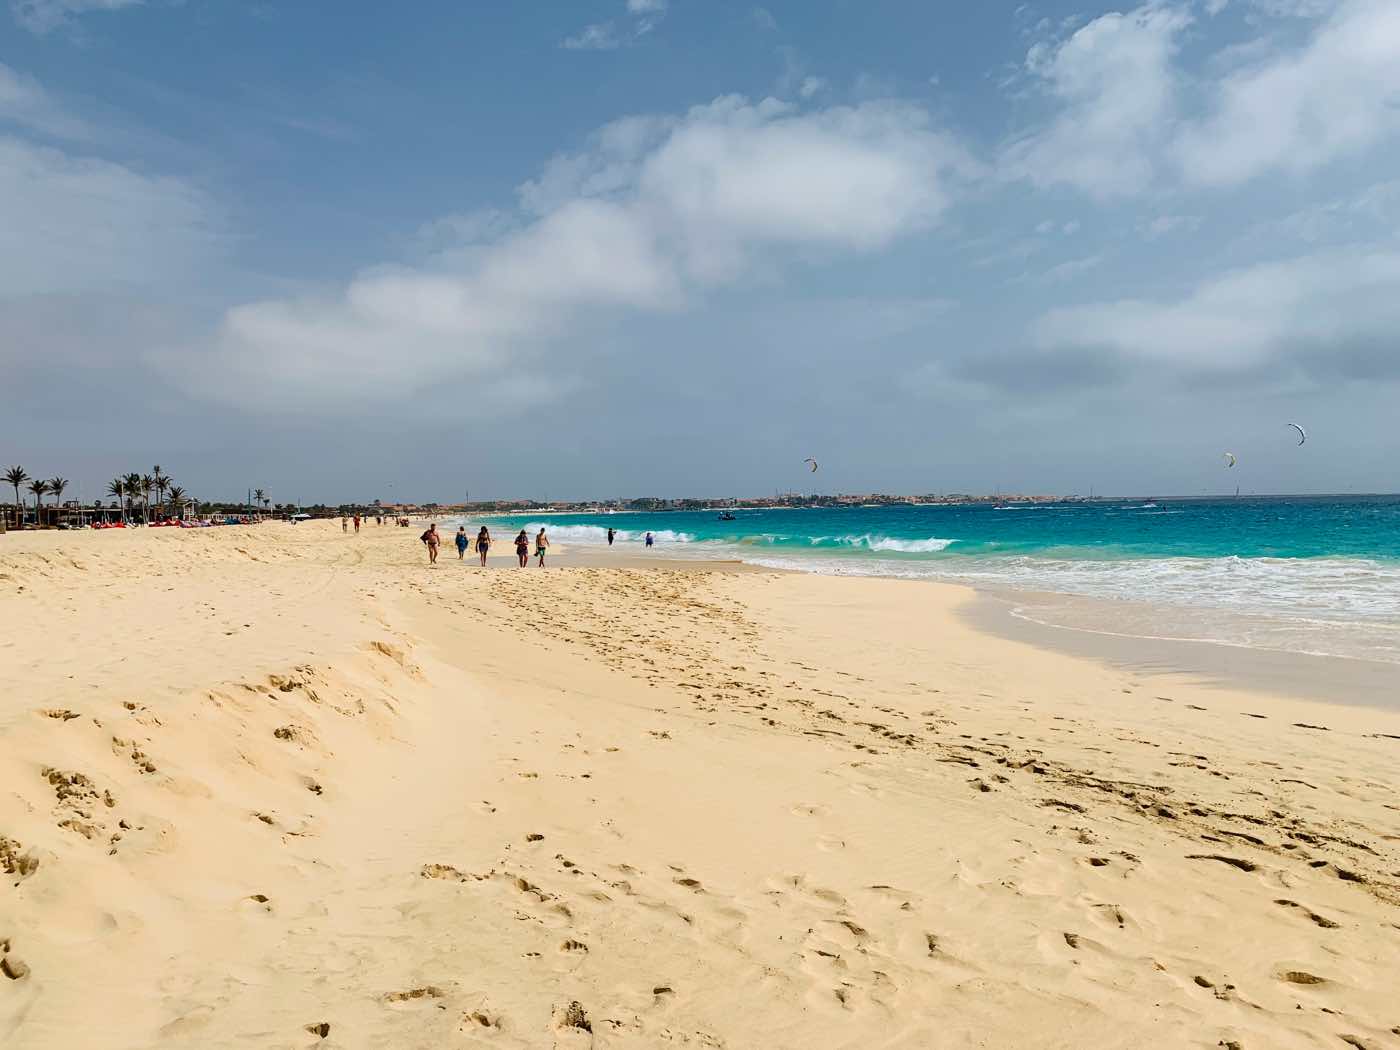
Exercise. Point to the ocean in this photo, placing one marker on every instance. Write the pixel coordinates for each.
(1311, 574)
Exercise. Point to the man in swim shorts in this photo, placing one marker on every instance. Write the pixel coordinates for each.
(431, 539)
(541, 545)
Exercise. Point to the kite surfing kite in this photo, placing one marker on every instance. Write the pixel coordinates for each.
(813, 462)
(1302, 434)
(1229, 459)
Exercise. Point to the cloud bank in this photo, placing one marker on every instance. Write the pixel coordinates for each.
(656, 212)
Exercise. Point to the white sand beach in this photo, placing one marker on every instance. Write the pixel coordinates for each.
(278, 786)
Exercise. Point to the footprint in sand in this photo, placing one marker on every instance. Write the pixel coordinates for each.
(1320, 920)
(430, 991)
(571, 1025)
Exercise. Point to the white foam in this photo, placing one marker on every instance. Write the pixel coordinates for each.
(1343, 606)
(597, 535)
(878, 543)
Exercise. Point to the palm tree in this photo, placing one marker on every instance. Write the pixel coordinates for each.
(17, 476)
(259, 497)
(117, 487)
(161, 483)
(132, 483)
(56, 486)
(177, 499)
(147, 484)
(40, 488)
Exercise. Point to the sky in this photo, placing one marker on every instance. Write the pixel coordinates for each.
(343, 250)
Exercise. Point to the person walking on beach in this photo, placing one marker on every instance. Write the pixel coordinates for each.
(611, 533)
(541, 545)
(522, 548)
(357, 524)
(344, 526)
(461, 542)
(431, 539)
(483, 543)
(650, 540)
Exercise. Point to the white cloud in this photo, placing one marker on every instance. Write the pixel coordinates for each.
(69, 223)
(1337, 96)
(1321, 305)
(601, 36)
(1295, 8)
(1163, 225)
(763, 18)
(653, 213)
(1071, 269)
(1125, 123)
(43, 16)
(646, 15)
(1115, 87)
(811, 86)
(23, 101)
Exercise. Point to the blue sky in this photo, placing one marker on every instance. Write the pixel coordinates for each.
(672, 247)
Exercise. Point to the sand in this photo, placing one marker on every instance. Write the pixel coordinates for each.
(282, 787)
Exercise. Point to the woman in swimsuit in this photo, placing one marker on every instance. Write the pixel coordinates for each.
(483, 543)
(461, 541)
(522, 548)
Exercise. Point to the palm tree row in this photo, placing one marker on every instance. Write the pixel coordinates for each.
(126, 489)
(38, 488)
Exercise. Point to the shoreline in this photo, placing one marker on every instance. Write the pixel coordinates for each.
(1001, 611)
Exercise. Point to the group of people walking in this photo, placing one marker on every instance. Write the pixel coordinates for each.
(432, 540)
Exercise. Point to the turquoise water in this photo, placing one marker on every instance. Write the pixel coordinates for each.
(1317, 573)
(1361, 527)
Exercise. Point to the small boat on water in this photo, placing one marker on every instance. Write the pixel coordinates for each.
(726, 516)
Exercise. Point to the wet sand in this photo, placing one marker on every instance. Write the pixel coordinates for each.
(1271, 672)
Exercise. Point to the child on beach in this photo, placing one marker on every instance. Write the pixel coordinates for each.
(431, 539)
(541, 545)
(522, 548)
(483, 543)
(461, 542)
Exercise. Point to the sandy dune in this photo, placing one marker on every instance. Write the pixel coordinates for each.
(283, 787)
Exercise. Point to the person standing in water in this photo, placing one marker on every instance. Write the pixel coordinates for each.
(522, 548)
(461, 541)
(541, 545)
(431, 540)
(650, 540)
(483, 543)
(611, 533)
